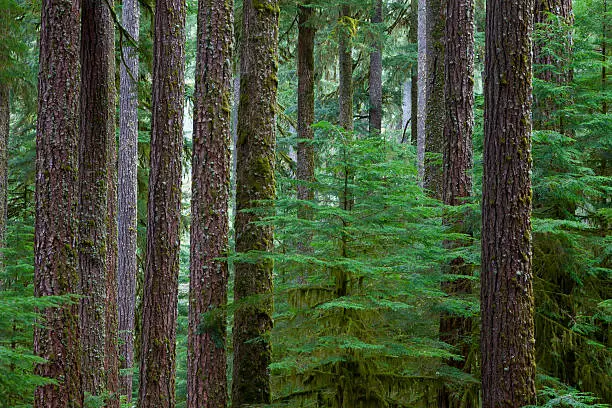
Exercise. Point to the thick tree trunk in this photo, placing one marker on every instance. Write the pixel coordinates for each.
(127, 193)
(457, 164)
(97, 39)
(211, 167)
(414, 72)
(507, 334)
(56, 338)
(5, 116)
(544, 108)
(306, 116)
(158, 349)
(375, 114)
(255, 182)
(345, 60)
(434, 105)
(422, 86)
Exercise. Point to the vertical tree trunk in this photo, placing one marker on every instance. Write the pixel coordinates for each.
(375, 114)
(306, 115)
(604, 57)
(111, 353)
(5, 116)
(414, 72)
(158, 349)
(127, 193)
(457, 163)
(434, 105)
(422, 86)
(56, 338)
(406, 109)
(507, 335)
(255, 182)
(544, 108)
(96, 93)
(211, 167)
(345, 60)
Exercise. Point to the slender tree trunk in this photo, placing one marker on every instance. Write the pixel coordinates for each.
(96, 93)
(56, 337)
(604, 57)
(507, 334)
(375, 116)
(158, 349)
(5, 117)
(434, 109)
(211, 167)
(406, 109)
(345, 91)
(255, 182)
(422, 86)
(127, 193)
(111, 353)
(457, 165)
(414, 72)
(306, 116)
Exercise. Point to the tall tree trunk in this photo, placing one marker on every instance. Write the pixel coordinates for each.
(211, 167)
(457, 165)
(111, 353)
(434, 105)
(422, 86)
(127, 194)
(255, 182)
(5, 117)
(306, 116)
(414, 72)
(56, 338)
(406, 109)
(604, 57)
(507, 334)
(345, 59)
(544, 108)
(375, 115)
(97, 39)
(158, 349)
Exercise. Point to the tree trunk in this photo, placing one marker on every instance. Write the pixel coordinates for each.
(457, 165)
(158, 349)
(422, 86)
(544, 109)
(345, 60)
(56, 337)
(211, 167)
(306, 116)
(507, 334)
(434, 105)
(111, 363)
(127, 194)
(97, 39)
(5, 117)
(406, 109)
(375, 116)
(414, 72)
(255, 182)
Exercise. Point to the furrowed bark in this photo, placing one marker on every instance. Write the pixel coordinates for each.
(211, 167)
(158, 349)
(507, 305)
(375, 114)
(255, 182)
(56, 337)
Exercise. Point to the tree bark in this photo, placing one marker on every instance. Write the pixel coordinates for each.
(158, 349)
(457, 165)
(255, 182)
(5, 117)
(127, 194)
(434, 105)
(211, 167)
(422, 86)
(306, 116)
(375, 114)
(97, 39)
(345, 60)
(414, 72)
(56, 337)
(507, 305)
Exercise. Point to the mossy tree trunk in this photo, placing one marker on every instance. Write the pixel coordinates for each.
(5, 116)
(457, 165)
(97, 40)
(211, 167)
(255, 182)
(306, 115)
(507, 305)
(56, 337)
(127, 193)
(414, 72)
(158, 348)
(434, 105)
(421, 86)
(376, 68)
